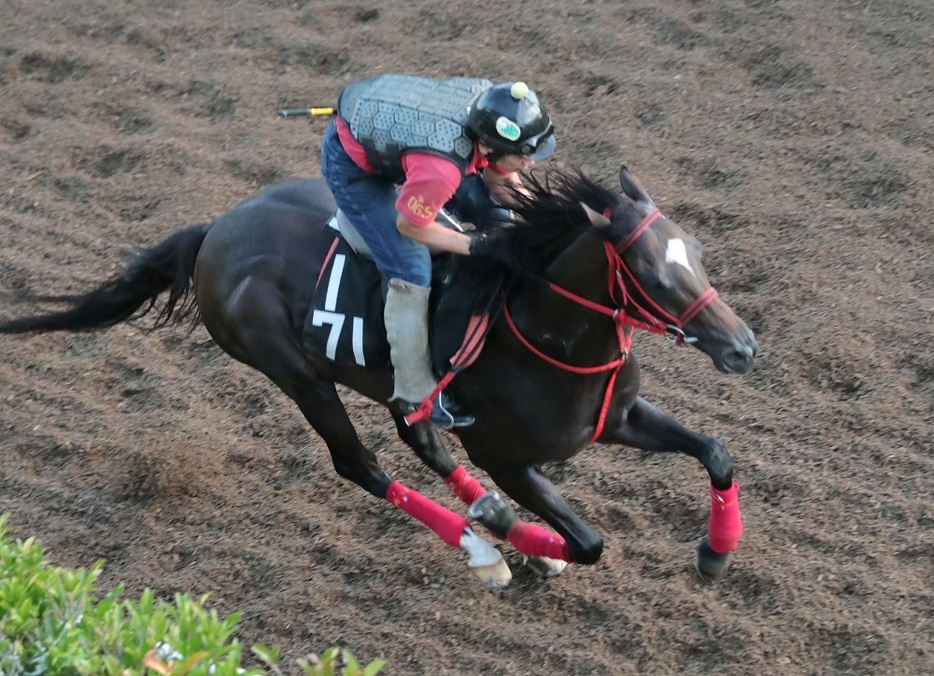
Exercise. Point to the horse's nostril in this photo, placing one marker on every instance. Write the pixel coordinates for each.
(739, 359)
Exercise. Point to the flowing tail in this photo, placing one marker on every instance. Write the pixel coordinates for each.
(168, 266)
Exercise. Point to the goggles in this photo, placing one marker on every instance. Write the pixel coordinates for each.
(540, 146)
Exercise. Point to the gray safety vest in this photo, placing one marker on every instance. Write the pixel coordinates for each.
(393, 114)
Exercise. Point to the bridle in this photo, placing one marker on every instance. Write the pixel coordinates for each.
(628, 315)
(655, 319)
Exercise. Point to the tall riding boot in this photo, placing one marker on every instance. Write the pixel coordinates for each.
(406, 318)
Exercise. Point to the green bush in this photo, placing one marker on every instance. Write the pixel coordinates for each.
(53, 621)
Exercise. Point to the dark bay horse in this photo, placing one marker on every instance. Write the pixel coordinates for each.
(583, 268)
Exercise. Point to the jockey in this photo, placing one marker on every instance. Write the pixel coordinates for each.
(396, 152)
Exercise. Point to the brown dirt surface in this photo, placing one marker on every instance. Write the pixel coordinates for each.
(794, 138)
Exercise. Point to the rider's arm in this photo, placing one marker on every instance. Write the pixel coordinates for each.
(435, 235)
(430, 181)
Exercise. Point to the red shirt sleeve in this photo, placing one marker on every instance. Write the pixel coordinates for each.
(430, 181)
(352, 146)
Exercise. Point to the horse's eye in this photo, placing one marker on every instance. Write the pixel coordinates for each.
(658, 282)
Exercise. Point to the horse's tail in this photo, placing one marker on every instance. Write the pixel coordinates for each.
(167, 266)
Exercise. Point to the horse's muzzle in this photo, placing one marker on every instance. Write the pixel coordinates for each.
(737, 357)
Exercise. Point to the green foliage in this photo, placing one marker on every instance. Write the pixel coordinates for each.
(327, 663)
(54, 621)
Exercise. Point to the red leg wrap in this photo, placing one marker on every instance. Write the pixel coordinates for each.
(448, 525)
(534, 540)
(464, 486)
(726, 526)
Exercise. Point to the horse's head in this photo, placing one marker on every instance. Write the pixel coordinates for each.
(656, 279)
(664, 280)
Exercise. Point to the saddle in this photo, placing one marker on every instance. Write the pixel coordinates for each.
(345, 322)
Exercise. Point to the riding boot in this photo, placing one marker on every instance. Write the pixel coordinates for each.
(406, 318)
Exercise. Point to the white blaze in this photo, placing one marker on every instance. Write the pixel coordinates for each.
(676, 253)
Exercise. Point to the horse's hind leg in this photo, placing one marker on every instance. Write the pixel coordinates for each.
(263, 342)
(651, 429)
(424, 439)
(321, 405)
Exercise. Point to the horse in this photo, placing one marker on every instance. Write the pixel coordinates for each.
(577, 271)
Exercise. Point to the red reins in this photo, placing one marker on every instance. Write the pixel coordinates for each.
(655, 320)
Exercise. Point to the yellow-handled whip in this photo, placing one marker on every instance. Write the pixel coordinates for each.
(304, 112)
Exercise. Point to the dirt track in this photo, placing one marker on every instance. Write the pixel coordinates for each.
(794, 138)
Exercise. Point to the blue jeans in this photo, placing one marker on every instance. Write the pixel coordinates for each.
(369, 202)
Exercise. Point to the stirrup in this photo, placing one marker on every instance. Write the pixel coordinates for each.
(447, 413)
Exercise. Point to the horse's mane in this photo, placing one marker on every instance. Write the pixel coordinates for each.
(544, 223)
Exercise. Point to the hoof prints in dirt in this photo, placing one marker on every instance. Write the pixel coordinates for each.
(53, 69)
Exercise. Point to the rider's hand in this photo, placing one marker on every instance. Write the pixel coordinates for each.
(488, 243)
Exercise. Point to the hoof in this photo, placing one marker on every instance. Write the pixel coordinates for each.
(493, 576)
(485, 561)
(710, 565)
(544, 566)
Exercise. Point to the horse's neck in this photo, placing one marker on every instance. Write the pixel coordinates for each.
(583, 270)
(581, 332)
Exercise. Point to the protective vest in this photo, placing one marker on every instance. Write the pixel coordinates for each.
(394, 114)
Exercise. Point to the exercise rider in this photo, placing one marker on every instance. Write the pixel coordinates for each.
(395, 153)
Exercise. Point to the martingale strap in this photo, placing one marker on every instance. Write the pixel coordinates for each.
(582, 370)
(624, 335)
(478, 328)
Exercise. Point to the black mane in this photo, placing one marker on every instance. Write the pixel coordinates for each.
(544, 223)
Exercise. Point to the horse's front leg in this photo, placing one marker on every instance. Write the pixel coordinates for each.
(650, 429)
(425, 440)
(575, 541)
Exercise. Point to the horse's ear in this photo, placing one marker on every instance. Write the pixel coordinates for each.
(599, 220)
(632, 188)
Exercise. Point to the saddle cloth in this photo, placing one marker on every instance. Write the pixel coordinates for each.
(345, 322)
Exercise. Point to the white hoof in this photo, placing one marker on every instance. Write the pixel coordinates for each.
(494, 576)
(544, 566)
(485, 561)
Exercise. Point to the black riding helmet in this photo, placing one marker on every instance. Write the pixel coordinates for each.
(512, 121)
